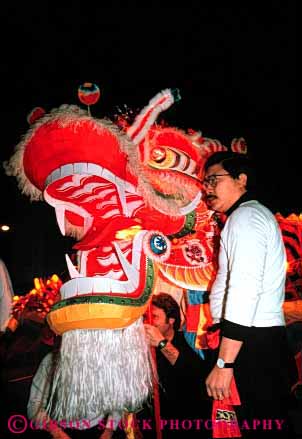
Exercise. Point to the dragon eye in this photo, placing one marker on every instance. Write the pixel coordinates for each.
(168, 158)
(158, 154)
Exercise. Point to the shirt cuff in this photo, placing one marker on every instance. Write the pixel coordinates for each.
(234, 330)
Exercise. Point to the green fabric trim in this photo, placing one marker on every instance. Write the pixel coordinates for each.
(116, 300)
(187, 228)
(167, 196)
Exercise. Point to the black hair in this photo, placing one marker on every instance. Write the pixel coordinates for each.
(170, 307)
(235, 164)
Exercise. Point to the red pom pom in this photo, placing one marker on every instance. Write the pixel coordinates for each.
(89, 93)
(35, 114)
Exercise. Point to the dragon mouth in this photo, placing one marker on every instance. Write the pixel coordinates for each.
(95, 206)
(96, 285)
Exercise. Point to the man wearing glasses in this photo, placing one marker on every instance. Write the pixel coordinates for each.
(246, 299)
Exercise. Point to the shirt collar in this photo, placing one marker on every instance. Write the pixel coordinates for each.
(245, 197)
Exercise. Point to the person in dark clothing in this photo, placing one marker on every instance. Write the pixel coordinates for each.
(22, 347)
(184, 406)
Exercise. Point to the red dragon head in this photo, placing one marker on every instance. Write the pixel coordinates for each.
(89, 171)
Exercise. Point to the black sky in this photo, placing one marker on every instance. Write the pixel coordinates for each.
(234, 64)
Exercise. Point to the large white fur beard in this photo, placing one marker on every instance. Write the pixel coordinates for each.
(99, 373)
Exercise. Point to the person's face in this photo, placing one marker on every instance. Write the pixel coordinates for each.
(222, 190)
(160, 320)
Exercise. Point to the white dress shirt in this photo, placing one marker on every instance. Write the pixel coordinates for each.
(250, 284)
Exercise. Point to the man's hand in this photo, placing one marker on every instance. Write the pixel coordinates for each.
(218, 383)
(153, 335)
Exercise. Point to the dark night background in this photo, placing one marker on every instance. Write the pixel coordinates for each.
(234, 64)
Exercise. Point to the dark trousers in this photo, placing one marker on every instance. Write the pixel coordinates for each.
(263, 381)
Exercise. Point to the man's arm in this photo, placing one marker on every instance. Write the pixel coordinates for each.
(219, 380)
(154, 336)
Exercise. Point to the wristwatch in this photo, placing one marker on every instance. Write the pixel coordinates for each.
(223, 365)
(162, 344)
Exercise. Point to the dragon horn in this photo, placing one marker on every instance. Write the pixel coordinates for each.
(146, 118)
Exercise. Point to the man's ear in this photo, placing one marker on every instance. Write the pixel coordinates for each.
(243, 179)
(171, 321)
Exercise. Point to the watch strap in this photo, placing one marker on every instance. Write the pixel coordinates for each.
(228, 365)
(223, 365)
(162, 344)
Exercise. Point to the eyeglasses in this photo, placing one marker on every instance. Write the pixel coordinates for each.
(211, 180)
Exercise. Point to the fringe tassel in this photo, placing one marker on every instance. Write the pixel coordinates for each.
(100, 372)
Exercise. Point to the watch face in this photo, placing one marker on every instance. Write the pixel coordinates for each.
(220, 363)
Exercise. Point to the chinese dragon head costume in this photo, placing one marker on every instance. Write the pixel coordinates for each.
(131, 198)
